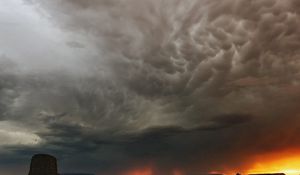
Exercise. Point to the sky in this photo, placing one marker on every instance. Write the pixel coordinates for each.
(150, 87)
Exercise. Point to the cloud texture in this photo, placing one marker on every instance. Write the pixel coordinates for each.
(178, 86)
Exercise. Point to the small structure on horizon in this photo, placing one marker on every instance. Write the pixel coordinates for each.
(43, 164)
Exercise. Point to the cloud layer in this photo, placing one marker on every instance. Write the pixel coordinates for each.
(191, 86)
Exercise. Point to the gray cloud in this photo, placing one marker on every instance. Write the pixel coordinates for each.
(179, 84)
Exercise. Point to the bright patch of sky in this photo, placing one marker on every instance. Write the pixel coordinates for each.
(30, 39)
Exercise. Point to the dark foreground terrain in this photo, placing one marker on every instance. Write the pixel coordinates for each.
(44, 164)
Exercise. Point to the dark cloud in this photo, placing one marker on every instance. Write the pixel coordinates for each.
(190, 85)
(8, 85)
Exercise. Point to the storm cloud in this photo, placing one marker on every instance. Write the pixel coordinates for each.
(111, 85)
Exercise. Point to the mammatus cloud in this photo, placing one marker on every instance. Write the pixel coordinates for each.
(189, 86)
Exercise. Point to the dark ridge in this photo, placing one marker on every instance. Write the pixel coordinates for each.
(76, 174)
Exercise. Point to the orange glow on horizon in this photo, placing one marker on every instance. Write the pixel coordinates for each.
(149, 171)
(177, 172)
(145, 171)
(287, 162)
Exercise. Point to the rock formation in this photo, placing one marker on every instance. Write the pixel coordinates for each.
(43, 164)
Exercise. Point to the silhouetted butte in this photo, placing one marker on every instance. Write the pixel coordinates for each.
(43, 164)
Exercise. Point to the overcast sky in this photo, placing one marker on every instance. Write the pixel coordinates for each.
(148, 87)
